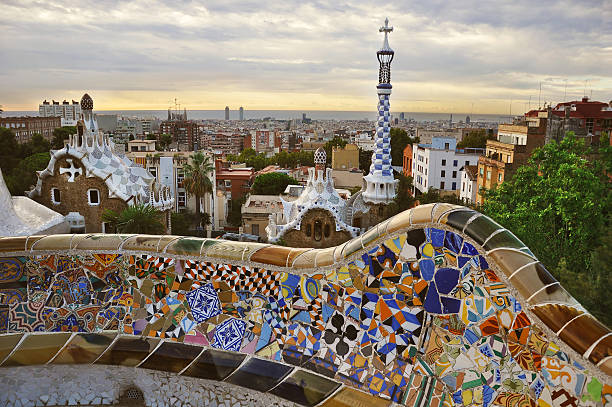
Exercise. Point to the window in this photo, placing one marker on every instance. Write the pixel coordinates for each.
(56, 196)
(318, 230)
(443, 173)
(255, 229)
(446, 146)
(481, 171)
(180, 176)
(308, 230)
(326, 230)
(153, 171)
(93, 195)
(442, 185)
(489, 174)
(454, 174)
(467, 162)
(455, 163)
(454, 186)
(182, 199)
(443, 162)
(463, 187)
(499, 177)
(228, 183)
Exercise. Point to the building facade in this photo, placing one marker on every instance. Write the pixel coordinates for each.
(69, 112)
(437, 165)
(407, 161)
(256, 214)
(88, 177)
(469, 184)
(514, 145)
(345, 158)
(25, 127)
(232, 184)
(184, 132)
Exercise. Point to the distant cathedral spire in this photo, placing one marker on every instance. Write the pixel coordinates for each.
(379, 185)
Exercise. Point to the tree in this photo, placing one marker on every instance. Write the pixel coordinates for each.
(164, 141)
(335, 142)
(234, 216)
(559, 204)
(403, 198)
(60, 135)
(197, 181)
(433, 195)
(141, 219)
(399, 140)
(365, 160)
(37, 144)
(9, 151)
(24, 176)
(272, 183)
(476, 139)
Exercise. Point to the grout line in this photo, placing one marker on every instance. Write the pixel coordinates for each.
(62, 348)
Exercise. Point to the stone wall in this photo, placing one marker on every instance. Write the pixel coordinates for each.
(74, 195)
(106, 385)
(318, 230)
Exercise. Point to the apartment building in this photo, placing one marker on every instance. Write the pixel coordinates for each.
(437, 165)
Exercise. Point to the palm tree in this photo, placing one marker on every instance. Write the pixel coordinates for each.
(197, 181)
(142, 218)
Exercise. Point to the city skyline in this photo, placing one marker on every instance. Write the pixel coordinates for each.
(480, 58)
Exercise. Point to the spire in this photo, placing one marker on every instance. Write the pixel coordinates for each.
(385, 56)
(379, 185)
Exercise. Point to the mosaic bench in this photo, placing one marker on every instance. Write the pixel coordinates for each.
(437, 306)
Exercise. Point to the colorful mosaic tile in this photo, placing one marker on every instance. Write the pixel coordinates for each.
(418, 319)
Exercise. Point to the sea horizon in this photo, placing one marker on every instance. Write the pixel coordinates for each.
(292, 114)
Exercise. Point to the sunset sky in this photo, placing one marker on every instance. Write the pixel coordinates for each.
(289, 54)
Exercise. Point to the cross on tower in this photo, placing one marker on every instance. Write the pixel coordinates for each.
(386, 29)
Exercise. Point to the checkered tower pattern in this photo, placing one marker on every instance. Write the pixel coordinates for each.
(381, 158)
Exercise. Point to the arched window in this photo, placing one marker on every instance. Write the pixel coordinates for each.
(326, 230)
(318, 229)
(308, 230)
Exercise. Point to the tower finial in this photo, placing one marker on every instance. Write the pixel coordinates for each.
(385, 56)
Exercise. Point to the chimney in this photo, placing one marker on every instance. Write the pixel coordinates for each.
(585, 99)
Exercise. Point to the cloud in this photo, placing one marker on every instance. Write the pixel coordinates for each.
(293, 54)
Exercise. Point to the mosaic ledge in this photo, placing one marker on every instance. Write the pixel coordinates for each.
(438, 306)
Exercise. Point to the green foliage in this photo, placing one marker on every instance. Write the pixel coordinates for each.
(164, 142)
(335, 142)
(399, 140)
(197, 181)
(559, 205)
(37, 144)
(476, 139)
(365, 159)
(272, 183)
(234, 216)
(141, 218)
(433, 195)
(151, 137)
(182, 223)
(24, 177)
(9, 151)
(282, 159)
(19, 162)
(403, 198)
(60, 135)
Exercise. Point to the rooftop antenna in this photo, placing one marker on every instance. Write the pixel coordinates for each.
(510, 108)
(565, 93)
(540, 97)
(529, 102)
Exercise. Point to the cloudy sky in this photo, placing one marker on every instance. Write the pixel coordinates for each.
(472, 55)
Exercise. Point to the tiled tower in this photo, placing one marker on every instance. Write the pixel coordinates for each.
(379, 185)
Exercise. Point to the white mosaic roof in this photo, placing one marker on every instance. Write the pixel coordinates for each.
(318, 194)
(125, 179)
